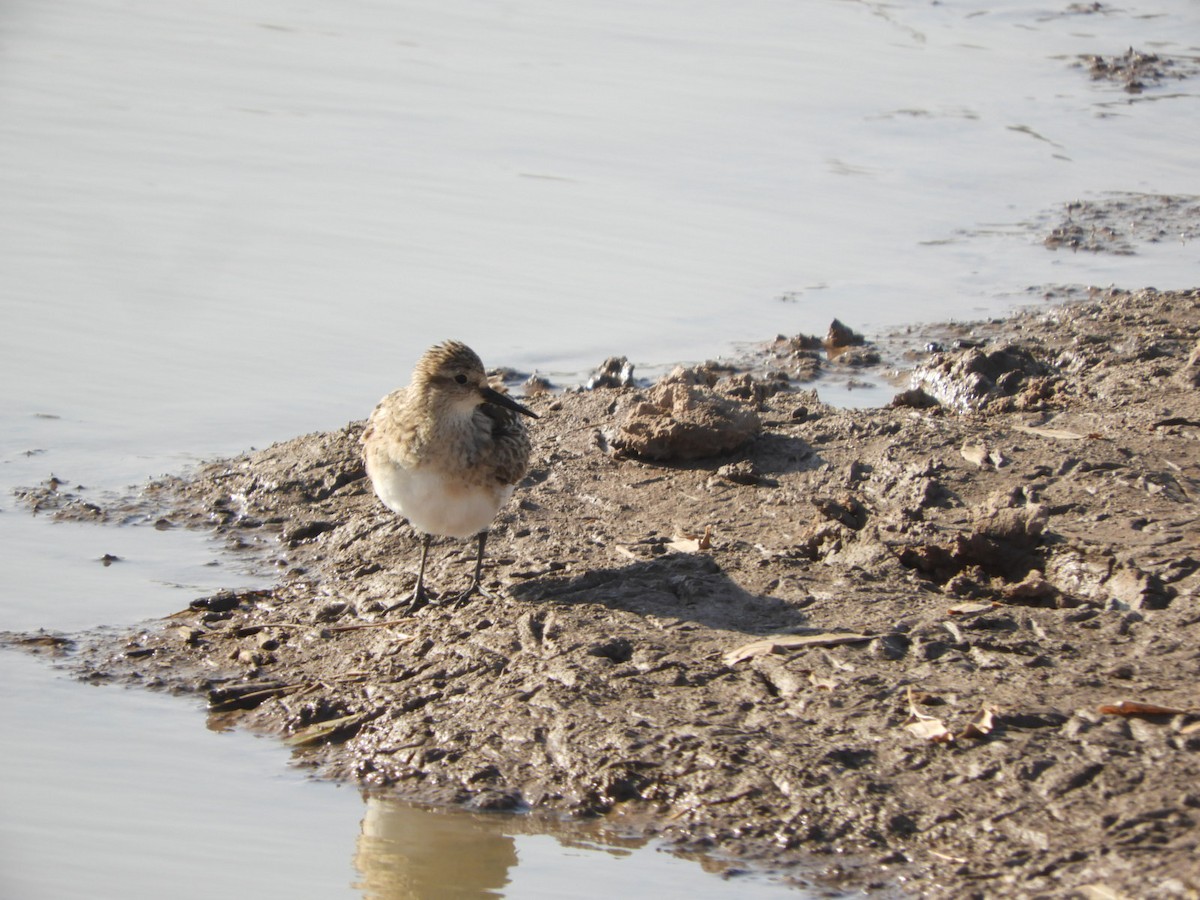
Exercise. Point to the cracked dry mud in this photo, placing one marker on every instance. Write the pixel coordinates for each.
(869, 647)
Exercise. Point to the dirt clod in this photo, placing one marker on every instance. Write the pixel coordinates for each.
(682, 418)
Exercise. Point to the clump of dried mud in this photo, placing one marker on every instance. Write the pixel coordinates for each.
(1120, 222)
(952, 645)
(1137, 70)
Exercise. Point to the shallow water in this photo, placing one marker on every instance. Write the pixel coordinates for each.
(115, 793)
(405, 851)
(226, 223)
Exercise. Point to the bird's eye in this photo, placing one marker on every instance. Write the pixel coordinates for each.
(460, 378)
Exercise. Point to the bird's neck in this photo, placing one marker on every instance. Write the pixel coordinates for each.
(446, 420)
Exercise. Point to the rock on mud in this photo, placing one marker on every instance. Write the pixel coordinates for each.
(614, 372)
(1008, 375)
(682, 418)
(1136, 70)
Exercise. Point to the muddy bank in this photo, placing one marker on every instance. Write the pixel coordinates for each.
(951, 645)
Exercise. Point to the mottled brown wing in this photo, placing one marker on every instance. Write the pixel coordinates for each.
(511, 441)
(378, 424)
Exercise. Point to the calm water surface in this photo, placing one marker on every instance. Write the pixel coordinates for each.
(112, 793)
(228, 222)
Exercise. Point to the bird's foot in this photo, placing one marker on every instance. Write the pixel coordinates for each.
(472, 589)
(419, 599)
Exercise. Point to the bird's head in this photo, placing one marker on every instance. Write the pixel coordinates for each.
(452, 374)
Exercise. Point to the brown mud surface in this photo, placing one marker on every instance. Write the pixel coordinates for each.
(1121, 221)
(949, 647)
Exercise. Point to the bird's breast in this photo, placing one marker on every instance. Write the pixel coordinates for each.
(437, 502)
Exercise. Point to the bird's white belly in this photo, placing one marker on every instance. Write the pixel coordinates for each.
(436, 504)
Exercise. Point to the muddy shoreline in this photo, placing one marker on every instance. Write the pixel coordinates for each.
(950, 646)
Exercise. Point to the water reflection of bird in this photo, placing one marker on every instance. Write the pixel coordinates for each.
(446, 452)
(409, 853)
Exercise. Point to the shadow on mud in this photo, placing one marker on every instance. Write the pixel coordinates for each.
(684, 586)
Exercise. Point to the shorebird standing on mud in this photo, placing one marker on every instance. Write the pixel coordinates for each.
(446, 452)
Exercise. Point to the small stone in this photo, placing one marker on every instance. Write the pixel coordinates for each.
(913, 399)
(890, 646)
(840, 336)
(617, 650)
(614, 372)
(744, 472)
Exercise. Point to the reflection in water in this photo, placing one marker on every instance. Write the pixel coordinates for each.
(407, 852)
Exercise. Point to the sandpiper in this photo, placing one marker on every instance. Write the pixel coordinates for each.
(446, 452)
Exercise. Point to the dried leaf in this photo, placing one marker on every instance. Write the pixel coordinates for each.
(689, 543)
(929, 729)
(1190, 728)
(925, 727)
(913, 699)
(982, 724)
(1058, 434)
(791, 642)
(1134, 708)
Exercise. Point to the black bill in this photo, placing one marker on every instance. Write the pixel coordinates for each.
(493, 396)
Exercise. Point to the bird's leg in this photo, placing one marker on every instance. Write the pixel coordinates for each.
(475, 587)
(419, 598)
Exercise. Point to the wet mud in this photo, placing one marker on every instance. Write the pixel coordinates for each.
(948, 647)
(1121, 222)
(1138, 70)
